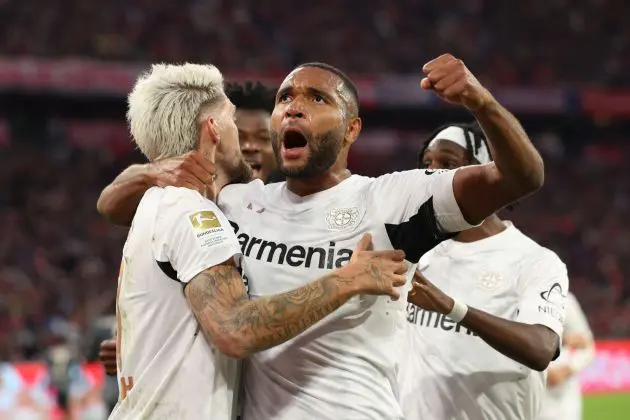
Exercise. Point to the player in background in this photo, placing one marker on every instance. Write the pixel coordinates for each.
(254, 103)
(484, 361)
(183, 313)
(563, 399)
(310, 223)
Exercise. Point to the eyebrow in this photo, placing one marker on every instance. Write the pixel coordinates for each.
(311, 90)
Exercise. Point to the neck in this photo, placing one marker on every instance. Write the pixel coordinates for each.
(490, 227)
(304, 187)
(220, 181)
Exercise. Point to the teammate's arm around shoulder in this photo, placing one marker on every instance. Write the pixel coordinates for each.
(119, 200)
(517, 170)
(238, 326)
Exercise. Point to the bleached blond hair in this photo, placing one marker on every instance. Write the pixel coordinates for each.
(166, 104)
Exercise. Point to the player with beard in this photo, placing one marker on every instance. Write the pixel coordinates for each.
(254, 103)
(346, 366)
(178, 275)
(485, 361)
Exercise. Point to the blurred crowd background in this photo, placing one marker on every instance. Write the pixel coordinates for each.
(561, 65)
(506, 42)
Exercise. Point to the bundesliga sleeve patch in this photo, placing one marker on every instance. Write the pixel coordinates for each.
(207, 228)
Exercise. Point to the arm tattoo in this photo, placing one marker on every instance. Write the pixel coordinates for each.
(220, 303)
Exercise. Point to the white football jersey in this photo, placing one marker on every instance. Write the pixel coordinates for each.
(564, 401)
(166, 368)
(345, 366)
(449, 372)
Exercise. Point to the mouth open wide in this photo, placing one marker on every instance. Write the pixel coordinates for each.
(255, 165)
(294, 144)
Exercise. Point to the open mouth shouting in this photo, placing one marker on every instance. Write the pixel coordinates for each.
(294, 143)
(256, 166)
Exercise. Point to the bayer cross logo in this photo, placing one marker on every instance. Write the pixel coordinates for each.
(490, 281)
(343, 218)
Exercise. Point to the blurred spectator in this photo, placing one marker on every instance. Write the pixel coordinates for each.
(505, 42)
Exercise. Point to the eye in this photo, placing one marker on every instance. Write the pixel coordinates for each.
(284, 98)
(451, 164)
(319, 99)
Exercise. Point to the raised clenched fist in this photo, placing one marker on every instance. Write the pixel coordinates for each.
(451, 80)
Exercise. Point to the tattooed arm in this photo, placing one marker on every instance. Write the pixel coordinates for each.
(239, 326)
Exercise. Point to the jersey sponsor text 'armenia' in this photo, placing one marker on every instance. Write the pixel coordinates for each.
(287, 240)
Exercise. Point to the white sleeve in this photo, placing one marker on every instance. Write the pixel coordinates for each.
(576, 322)
(192, 235)
(400, 196)
(543, 297)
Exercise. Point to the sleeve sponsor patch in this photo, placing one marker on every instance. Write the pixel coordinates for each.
(554, 302)
(208, 229)
(435, 171)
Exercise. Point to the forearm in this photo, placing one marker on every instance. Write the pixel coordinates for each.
(527, 344)
(515, 157)
(239, 326)
(119, 200)
(266, 322)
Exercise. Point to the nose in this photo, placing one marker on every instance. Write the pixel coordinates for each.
(249, 146)
(294, 111)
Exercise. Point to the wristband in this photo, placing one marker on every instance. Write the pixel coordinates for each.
(459, 311)
(580, 359)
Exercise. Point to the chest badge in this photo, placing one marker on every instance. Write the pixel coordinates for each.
(490, 281)
(343, 218)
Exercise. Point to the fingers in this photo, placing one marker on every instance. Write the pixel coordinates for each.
(203, 168)
(390, 254)
(399, 280)
(445, 81)
(394, 294)
(419, 278)
(182, 180)
(108, 345)
(437, 62)
(365, 244)
(400, 267)
(455, 90)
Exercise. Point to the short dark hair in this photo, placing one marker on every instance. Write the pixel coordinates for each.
(348, 84)
(473, 128)
(251, 96)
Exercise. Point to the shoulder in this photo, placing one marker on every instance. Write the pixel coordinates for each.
(181, 200)
(176, 206)
(415, 174)
(540, 260)
(236, 193)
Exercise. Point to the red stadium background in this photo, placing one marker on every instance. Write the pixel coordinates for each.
(562, 67)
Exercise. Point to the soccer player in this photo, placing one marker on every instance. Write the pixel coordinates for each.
(346, 366)
(563, 399)
(484, 361)
(254, 103)
(183, 314)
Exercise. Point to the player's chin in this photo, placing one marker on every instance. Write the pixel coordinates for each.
(295, 159)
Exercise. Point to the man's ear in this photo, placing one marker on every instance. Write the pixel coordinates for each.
(212, 129)
(353, 130)
(210, 138)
